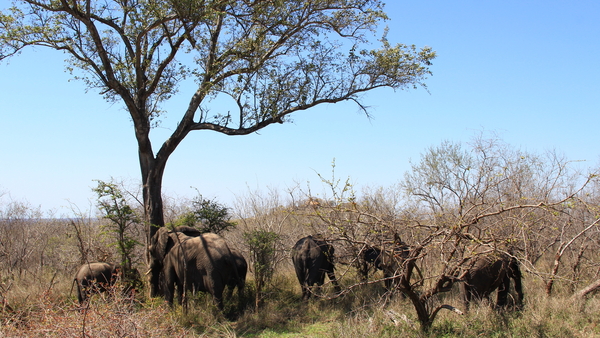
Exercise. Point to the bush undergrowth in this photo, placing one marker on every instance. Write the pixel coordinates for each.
(46, 309)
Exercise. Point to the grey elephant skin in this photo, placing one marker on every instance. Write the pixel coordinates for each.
(95, 277)
(200, 262)
(241, 266)
(160, 244)
(313, 258)
(488, 273)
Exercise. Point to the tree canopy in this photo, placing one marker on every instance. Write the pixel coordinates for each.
(270, 57)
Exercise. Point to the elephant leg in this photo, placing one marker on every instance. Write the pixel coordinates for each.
(305, 291)
(218, 296)
(181, 292)
(319, 282)
(334, 281)
(169, 290)
(503, 290)
(387, 282)
(156, 280)
(229, 291)
(466, 296)
(314, 279)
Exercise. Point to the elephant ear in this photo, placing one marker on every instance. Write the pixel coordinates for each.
(161, 243)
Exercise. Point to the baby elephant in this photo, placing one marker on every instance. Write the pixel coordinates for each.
(94, 278)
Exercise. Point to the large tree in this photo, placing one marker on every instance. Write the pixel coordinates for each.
(271, 57)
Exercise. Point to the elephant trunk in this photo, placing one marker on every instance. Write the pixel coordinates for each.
(154, 278)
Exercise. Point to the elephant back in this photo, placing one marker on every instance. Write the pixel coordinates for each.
(488, 265)
(310, 247)
(210, 255)
(188, 231)
(98, 271)
(164, 240)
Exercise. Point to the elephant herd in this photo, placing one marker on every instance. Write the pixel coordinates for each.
(313, 258)
(184, 259)
(187, 260)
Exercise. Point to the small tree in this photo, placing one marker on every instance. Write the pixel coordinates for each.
(122, 217)
(208, 216)
(262, 245)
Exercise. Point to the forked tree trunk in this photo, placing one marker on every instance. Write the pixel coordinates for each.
(421, 300)
(152, 173)
(153, 167)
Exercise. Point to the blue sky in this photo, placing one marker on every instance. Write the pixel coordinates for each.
(526, 70)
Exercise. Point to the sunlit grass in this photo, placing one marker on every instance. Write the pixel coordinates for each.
(43, 311)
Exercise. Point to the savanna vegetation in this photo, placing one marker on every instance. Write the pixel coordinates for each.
(458, 202)
(264, 59)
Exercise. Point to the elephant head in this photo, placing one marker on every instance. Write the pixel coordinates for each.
(313, 258)
(389, 259)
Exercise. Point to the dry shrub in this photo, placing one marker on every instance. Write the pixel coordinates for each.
(106, 315)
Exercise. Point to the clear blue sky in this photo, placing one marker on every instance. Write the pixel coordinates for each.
(527, 70)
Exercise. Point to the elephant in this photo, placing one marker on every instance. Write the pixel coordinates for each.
(202, 263)
(95, 278)
(366, 261)
(313, 258)
(160, 245)
(380, 260)
(389, 261)
(488, 273)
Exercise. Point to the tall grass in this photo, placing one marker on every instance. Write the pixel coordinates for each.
(47, 310)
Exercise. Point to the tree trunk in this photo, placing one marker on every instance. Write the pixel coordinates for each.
(152, 167)
(153, 215)
(420, 305)
(153, 204)
(553, 274)
(152, 174)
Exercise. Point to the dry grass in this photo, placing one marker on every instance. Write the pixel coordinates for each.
(47, 310)
(35, 301)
